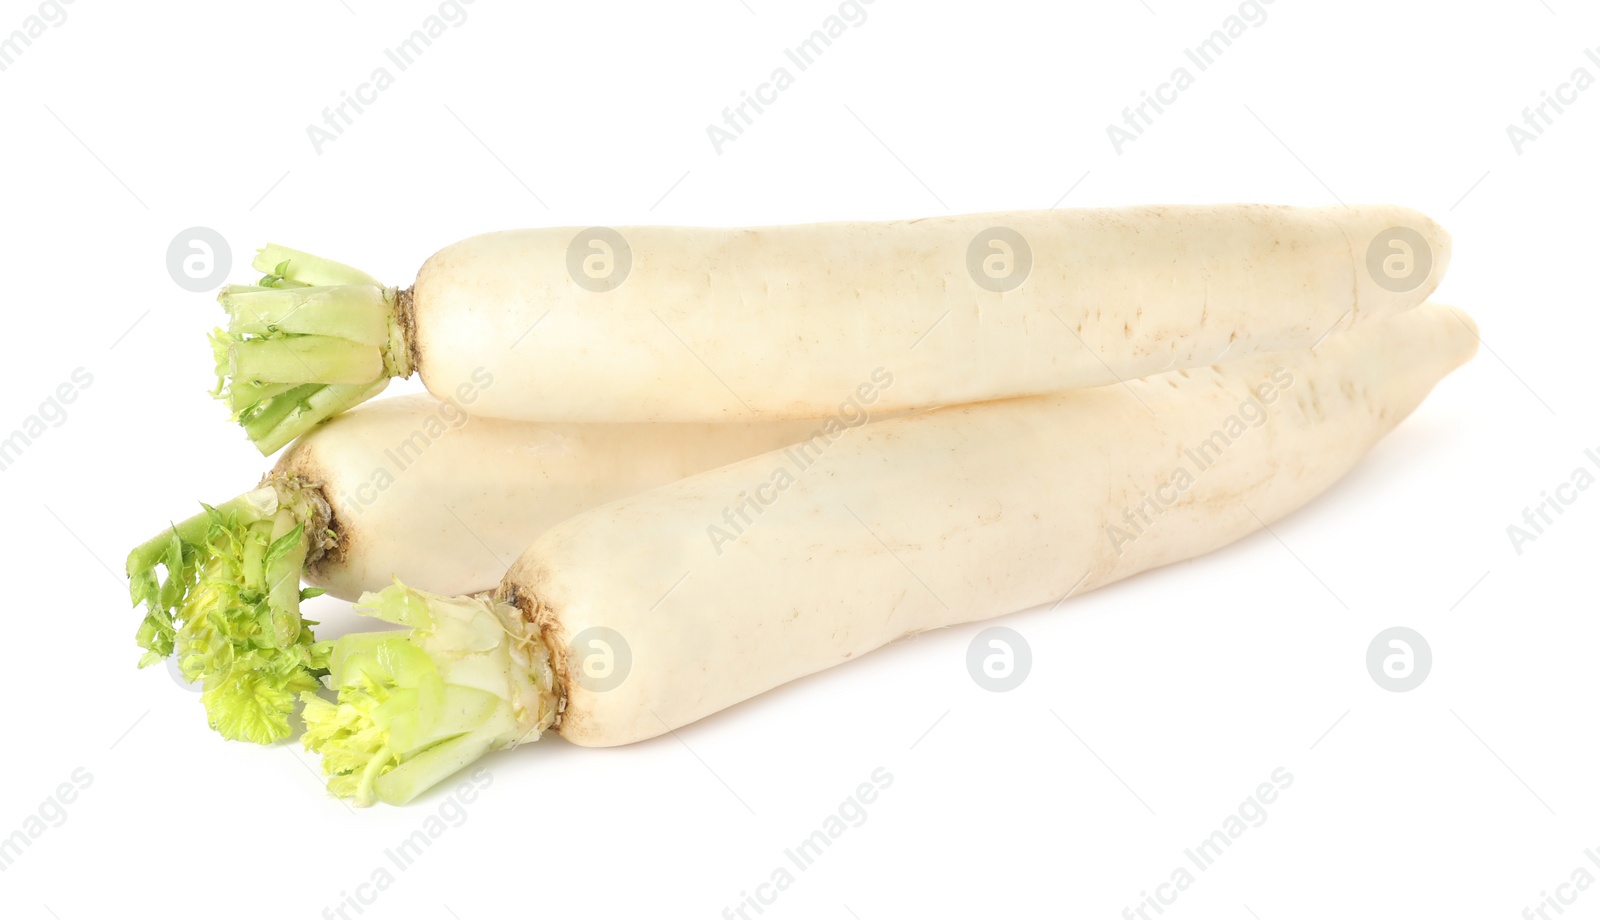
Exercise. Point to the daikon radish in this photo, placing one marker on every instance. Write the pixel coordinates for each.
(646, 614)
(693, 324)
(408, 487)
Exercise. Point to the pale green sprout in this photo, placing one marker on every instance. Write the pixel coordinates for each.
(415, 706)
(228, 606)
(310, 340)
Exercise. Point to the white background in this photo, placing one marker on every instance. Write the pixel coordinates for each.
(1154, 707)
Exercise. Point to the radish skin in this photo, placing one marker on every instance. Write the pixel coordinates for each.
(992, 508)
(694, 324)
(949, 516)
(449, 514)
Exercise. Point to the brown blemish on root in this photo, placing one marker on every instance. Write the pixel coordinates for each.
(524, 596)
(405, 311)
(331, 544)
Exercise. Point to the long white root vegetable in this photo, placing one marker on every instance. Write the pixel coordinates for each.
(409, 487)
(649, 613)
(686, 324)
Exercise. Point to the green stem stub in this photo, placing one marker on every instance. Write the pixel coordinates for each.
(310, 340)
(414, 706)
(228, 606)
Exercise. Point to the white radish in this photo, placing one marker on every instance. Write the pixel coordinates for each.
(408, 487)
(419, 490)
(681, 324)
(945, 517)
